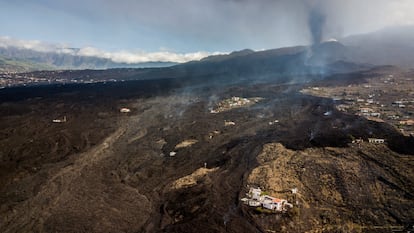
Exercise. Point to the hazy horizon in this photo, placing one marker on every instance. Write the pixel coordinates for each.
(179, 31)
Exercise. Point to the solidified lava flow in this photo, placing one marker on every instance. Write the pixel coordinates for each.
(107, 171)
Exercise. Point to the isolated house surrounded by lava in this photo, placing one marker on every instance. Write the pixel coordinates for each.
(256, 199)
(276, 204)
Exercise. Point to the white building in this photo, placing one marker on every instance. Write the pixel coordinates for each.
(254, 193)
(376, 114)
(257, 199)
(125, 110)
(276, 204)
(376, 140)
(59, 120)
(254, 203)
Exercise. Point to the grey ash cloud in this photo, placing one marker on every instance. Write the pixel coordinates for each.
(316, 22)
(338, 18)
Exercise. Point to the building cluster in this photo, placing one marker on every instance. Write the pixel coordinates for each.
(389, 98)
(11, 79)
(256, 198)
(15, 79)
(370, 140)
(234, 102)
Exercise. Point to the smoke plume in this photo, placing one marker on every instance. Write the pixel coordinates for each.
(316, 22)
(316, 19)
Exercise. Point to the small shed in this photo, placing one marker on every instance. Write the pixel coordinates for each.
(125, 110)
(59, 120)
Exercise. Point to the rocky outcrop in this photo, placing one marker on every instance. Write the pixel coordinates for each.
(355, 189)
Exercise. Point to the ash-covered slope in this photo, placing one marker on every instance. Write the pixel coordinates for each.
(392, 46)
(321, 60)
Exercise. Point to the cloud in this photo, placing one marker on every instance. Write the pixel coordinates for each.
(138, 57)
(194, 25)
(118, 56)
(350, 17)
(36, 45)
(259, 23)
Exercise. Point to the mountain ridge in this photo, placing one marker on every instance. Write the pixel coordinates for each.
(348, 54)
(31, 60)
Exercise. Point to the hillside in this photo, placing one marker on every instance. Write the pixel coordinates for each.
(21, 65)
(361, 188)
(23, 60)
(293, 64)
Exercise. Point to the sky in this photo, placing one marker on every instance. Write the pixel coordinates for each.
(182, 30)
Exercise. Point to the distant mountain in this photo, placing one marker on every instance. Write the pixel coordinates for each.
(389, 46)
(278, 64)
(392, 46)
(217, 58)
(291, 64)
(21, 65)
(21, 60)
